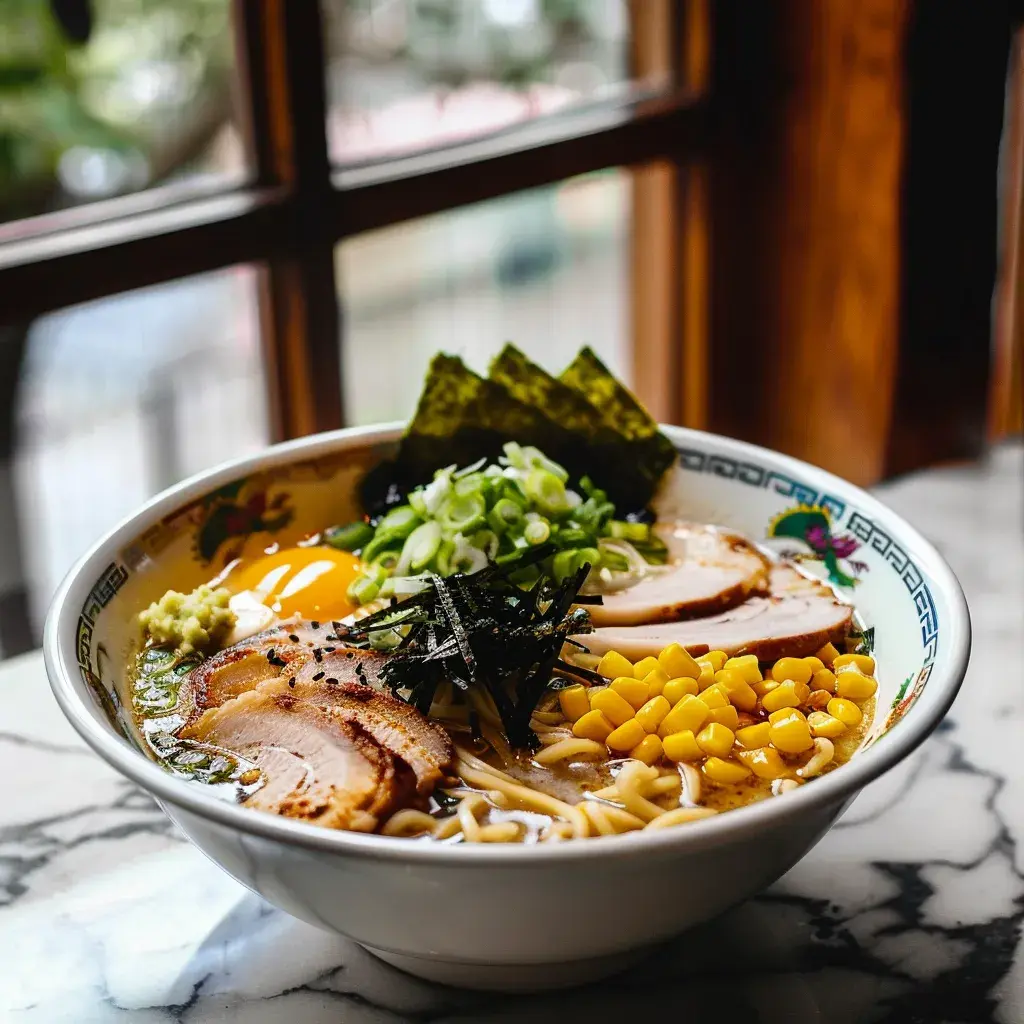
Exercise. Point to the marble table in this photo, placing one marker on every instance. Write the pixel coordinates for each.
(909, 910)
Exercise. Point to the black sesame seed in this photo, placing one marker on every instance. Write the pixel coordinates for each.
(271, 655)
(291, 682)
(330, 650)
(350, 654)
(331, 680)
(332, 637)
(294, 639)
(315, 624)
(318, 655)
(318, 676)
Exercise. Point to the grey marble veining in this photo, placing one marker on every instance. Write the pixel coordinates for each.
(909, 910)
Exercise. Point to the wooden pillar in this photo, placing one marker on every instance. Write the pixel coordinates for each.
(805, 212)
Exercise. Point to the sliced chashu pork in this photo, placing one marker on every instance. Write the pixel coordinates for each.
(291, 649)
(313, 665)
(796, 618)
(708, 570)
(316, 766)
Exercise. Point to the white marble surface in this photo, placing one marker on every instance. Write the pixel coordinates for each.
(910, 910)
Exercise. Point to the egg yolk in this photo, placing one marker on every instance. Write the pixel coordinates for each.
(310, 582)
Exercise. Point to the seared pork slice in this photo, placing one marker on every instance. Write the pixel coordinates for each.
(289, 649)
(395, 725)
(316, 766)
(708, 570)
(795, 619)
(314, 665)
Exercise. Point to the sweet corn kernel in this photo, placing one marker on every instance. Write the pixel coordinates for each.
(823, 679)
(706, 677)
(828, 653)
(786, 695)
(574, 702)
(823, 724)
(677, 661)
(682, 746)
(764, 762)
(644, 667)
(716, 739)
(648, 750)
(727, 772)
(633, 691)
(655, 680)
(791, 735)
(626, 736)
(753, 736)
(818, 698)
(737, 688)
(716, 659)
(690, 713)
(747, 667)
(676, 689)
(614, 705)
(815, 662)
(727, 716)
(763, 687)
(612, 665)
(796, 669)
(845, 710)
(651, 715)
(594, 725)
(714, 697)
(852, 684)
(783, 714)
(863, 661)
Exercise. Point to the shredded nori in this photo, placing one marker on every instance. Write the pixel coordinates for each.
(482, 630)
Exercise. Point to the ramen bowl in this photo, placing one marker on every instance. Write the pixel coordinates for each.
(509, 916)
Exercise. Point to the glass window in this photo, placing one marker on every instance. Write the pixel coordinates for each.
(408, 74)
(546, 269)
(103, 97)
(118, 399)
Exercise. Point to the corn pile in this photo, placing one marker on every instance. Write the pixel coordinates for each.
(722, 712)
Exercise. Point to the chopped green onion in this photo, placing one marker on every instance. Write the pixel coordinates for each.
(563, 565)
(462, 514)
(362, 590)
(421, 546)
(546, 491)
(386, 560)
(505, 513)
(614, 561)
(629, 531)
(570, 537)
(537, 532)
(350, 537)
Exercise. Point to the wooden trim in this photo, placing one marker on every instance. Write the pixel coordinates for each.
(535, 153)
(287, 136)
(669, 238)
(1005, 414)
(135, 241)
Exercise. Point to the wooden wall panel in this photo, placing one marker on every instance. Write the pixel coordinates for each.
(805, 206)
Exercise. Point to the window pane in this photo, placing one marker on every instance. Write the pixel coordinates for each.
(91, 106)
(405, 74)
(546, 269)
(118, 399)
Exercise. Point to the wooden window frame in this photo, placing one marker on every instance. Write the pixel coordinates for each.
(296, 207)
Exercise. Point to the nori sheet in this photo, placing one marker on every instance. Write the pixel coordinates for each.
(462, 417)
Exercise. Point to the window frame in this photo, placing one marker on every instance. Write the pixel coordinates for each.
(296, 207)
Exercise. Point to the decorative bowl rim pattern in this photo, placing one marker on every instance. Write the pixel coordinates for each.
(79, 706)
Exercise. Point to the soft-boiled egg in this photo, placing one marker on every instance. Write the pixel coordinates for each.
(307, 581)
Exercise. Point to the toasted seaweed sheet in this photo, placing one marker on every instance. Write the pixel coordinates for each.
(463, 417)
(619, 408)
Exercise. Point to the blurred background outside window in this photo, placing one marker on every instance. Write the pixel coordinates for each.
(112, 405)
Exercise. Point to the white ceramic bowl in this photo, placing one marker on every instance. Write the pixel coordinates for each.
(510, 916)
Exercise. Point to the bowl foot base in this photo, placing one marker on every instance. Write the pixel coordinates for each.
(512, 977)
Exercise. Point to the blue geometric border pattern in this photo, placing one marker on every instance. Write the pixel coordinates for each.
(867, 532)
(757, 476)
(860, 526)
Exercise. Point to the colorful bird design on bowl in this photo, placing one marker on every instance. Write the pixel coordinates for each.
(812, 525)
